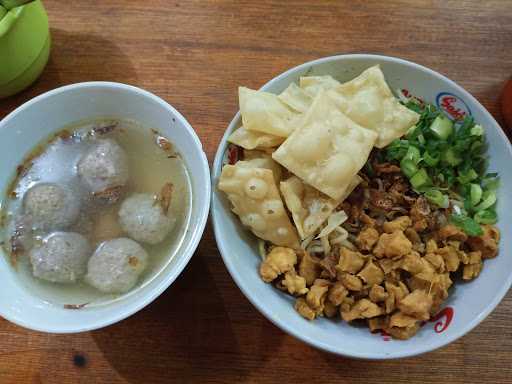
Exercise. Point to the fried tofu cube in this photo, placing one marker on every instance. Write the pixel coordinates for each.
(367, 239)
(403, 333)
(395, 294)
(350, 261)
(346, 304)
(487, 244)
(431, 246)
(402, 326)
(388, 265)
(295, 284)
(376, 323)
(317, 294)
(371, 274)
(400, 319)
(436, 261)
(304, 310)
(471, 271)
(451, 257)
(309, 268)
(412, 263)
(474, 257)
(399, 224)
(351, 282)
(428, 272)
(390, 302)
(277, 262)
(416, 304)
(412, 235)
(362, 309)
(377, 294)
(394, 245)
(474, 266)
(337, 293)
(330, 310)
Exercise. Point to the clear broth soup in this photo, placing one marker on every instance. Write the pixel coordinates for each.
(152, 162)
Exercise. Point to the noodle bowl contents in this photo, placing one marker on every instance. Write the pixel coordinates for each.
(96, 211)
(367, 207)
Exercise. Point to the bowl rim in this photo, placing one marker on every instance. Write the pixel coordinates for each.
(187, 249)
(217, 227)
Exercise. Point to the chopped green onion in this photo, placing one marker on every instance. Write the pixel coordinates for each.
(435, 196)
(450, 157)
(420, 179)
(475, 194)
(491, 183)
(477, 147)
(442, 127)
(477, 130)
(467, 176)
(413, 132)
(413, 154)
(468, 225)
(408, 167)
(488, 200)
(430, 160)
(397, 149)
(447, 160)
(486, 217)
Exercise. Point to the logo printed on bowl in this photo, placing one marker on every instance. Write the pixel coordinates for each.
(453, 105)
(445, 314)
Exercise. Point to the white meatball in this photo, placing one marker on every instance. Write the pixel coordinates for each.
(104, 166)
(143, 219)
(62, 258)
(116, 265)
(51, 206)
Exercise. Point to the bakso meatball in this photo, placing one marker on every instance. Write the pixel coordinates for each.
(104, 167)
(116, 265)
(51, 206)
(143, 218)
(61, 258)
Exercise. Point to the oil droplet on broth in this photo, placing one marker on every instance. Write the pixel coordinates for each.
(150, 168)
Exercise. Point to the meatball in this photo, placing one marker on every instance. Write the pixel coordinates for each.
(103, 167)
(50, 206)
(62, 258)
(143, 218)
(116, 265)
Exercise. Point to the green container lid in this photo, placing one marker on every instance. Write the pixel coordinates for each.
(10, 4)
(24, 45)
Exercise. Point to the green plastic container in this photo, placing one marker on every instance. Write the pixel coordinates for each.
(24, 45)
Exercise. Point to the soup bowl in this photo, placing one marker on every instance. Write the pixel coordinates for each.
(468, 303)
(39, 118)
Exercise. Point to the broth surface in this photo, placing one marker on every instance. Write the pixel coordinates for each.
(152, 161)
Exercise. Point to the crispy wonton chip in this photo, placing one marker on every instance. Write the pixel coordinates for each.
(264, 112)
(368, 101)
(328, 150)
(296, 98)
(312, 85)
(258, 159)
(255, 198)
(254, 139)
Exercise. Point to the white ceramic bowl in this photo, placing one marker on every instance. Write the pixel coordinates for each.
(32, 123)
(468, 303)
